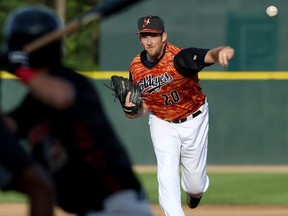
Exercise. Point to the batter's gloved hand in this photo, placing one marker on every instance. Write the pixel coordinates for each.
(17, 59)
(11, 60)
(121, 86)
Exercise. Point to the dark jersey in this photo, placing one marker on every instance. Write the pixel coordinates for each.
(13, 157)
(77, 145)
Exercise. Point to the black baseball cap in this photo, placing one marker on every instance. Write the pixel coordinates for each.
(150, 24)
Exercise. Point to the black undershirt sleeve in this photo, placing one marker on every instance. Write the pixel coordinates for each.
(190, 61)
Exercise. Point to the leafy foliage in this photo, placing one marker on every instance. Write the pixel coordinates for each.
(81, 48)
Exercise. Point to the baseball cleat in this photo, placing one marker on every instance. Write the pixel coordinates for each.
(193, 202)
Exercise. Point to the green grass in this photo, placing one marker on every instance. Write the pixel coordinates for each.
(228, 188)
(264, 188)
(12, 197)
(238, 188)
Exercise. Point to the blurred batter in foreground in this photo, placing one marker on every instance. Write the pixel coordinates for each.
(62, 119)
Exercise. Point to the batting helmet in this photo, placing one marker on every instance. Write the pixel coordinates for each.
(28, 23)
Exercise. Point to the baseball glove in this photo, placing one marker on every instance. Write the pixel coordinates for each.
(121, 86)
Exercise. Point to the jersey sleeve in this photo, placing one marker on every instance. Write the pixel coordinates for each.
(190, 61)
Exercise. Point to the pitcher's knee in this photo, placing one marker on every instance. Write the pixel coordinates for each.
(196, 186)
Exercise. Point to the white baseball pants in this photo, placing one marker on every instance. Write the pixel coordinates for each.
(180, 145)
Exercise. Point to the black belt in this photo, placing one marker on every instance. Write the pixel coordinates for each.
(194, 115)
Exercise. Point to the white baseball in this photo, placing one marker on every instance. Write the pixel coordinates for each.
(272, 11)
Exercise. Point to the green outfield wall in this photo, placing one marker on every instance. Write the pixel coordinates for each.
(248, 116)
(260, 41)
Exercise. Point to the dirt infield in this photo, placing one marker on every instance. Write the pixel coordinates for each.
(212, 210)
(202, 210)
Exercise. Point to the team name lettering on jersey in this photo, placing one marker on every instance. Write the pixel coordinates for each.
(151, 84)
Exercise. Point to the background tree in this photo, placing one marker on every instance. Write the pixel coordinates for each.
(81, 48)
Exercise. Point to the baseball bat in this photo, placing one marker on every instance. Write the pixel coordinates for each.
(102, 10)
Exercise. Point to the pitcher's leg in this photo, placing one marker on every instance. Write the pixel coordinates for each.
(167, 150)
(194, 156)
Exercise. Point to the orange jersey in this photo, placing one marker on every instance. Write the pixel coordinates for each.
(168, 94)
